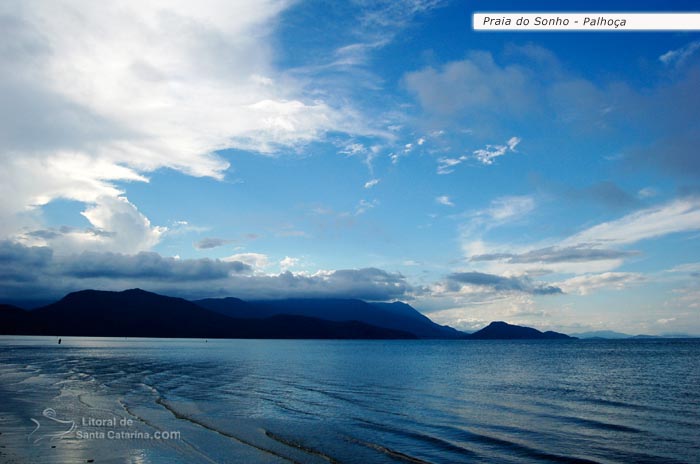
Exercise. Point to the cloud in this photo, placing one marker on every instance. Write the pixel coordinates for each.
(288, 262)
(211, 242)
(476, 84)
(19, 263)
(117, 225)
(150, 266)
(444, 200)
(446, 165)
(363, 206)
(371, 183)
(594, 251)
(500, 283)
(509, 208)
(554, 254)
(97, 95)
(679, 56)
(647, 192)
(486, 156)
(40, 273)
(491, 152)
(519, 308)
(255, 260)
(585, 284)
(680, 215)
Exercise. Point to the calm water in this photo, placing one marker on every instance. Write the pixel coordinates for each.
(356, 401)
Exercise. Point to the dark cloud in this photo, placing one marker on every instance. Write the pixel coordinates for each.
(150, 266)
(53, 233)
(501, 283)
(35, 272)
(365, 284)
(210, 242)
(573, 254)
(19, 263)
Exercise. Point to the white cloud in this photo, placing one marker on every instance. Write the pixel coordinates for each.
(446, 165)
(590, 256)
(256, 260)
(679, 56)
(681, 215)
(371, 183)
(288, 262)
(510, 207)
(491, 152)
(585, 284)
(363, 206)
(98, 93)
(486, 156)
(444, 200)
(473, 312)
(647, 192)
(117, 225)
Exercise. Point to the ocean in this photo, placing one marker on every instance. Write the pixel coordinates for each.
(281, 401)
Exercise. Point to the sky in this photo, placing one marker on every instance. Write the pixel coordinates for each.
(380, 150)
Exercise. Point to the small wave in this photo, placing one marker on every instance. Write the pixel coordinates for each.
(517, 448)
(301, 447)
(425, 438)
(389, 452)
(594, 424)
(179, 415)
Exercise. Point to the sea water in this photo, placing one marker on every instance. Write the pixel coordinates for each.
(165, 400)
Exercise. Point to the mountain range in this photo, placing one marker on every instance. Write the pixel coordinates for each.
(138, 313)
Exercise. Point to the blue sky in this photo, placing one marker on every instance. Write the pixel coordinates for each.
(379, 150)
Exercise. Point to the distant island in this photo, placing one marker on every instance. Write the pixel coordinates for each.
(503, 331)
(138, 313)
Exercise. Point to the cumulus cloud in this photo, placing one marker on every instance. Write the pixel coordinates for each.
(288, 262)
(117, 225)
(95, 94)
(255, 260)
(40, 273)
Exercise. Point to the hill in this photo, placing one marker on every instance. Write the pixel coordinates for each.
(394, 316)
(503, 331)
(137, 313)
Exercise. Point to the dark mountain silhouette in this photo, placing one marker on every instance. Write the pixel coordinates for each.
(395, 316)
(13, 320)
(504, 331)
(137, 313)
